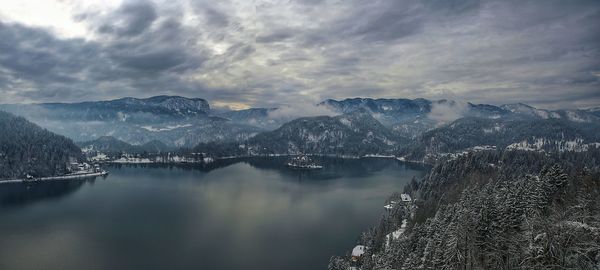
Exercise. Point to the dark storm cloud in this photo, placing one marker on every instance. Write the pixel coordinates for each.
(131, 19)
(263, 53)
(36, 56)
(152, 60)
(39, 66)
(146, 43)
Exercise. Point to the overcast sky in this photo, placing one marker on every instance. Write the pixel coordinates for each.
(242, 53)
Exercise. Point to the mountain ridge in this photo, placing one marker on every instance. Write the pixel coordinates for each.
(186, 122)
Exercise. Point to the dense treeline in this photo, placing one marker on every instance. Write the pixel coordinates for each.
(550, 135)
(25, 148)
(496, 210)
(115, 148)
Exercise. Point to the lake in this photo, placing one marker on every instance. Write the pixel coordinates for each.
(233, 214)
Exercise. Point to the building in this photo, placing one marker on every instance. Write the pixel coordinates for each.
(357, 252)
(75, 167)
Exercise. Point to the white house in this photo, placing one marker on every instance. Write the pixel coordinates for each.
(357, 252)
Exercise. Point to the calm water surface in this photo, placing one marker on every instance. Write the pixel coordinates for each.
(237, 214)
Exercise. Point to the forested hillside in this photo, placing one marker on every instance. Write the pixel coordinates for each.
(551, 135)
(351, 134)
(111, 145)
(495, 210)
(25, 148)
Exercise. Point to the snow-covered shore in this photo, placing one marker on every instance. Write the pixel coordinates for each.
(60, 177)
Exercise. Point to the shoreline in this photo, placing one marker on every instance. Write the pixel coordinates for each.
(214, 159)
(52, 178)
(89, 175)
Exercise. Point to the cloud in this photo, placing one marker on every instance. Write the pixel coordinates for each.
(157, 60)
(268, 53)
(446, 111)
(278, 35)
(131, 19)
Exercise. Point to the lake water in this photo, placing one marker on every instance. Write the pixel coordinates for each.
(234, 214)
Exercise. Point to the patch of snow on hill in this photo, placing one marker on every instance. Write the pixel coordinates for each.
(576, 145)
(492, 129)
(122, 117)
(346, 122)
(166, 128)
(396, 234)
(526, 146)
(575, 117)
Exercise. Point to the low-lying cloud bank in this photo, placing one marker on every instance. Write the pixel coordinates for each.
(446, 112)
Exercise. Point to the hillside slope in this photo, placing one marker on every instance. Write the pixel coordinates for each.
(549, 135)
(493, 210)
(350, 134)
(25, 148)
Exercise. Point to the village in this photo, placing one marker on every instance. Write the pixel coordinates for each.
(126, 158)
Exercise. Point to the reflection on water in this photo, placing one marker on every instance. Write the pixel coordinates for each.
(232, 214)
(20, 194)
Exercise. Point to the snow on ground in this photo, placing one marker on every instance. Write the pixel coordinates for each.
(378, 156)
(575, 117)
(358, 250)
(166, 128)
(133, 160)
(483, 148)
(576, 145)
(395, 235)
(346, 122)
(466, 151)
(526, 146)
(493, 129)
(99, 157)
(579, 225)
(388, 142)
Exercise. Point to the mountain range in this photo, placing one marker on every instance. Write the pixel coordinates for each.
(175, 121)
(414, 128)
(355, 133)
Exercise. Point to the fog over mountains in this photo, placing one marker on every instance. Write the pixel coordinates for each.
(175, 121)
(415, 128)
